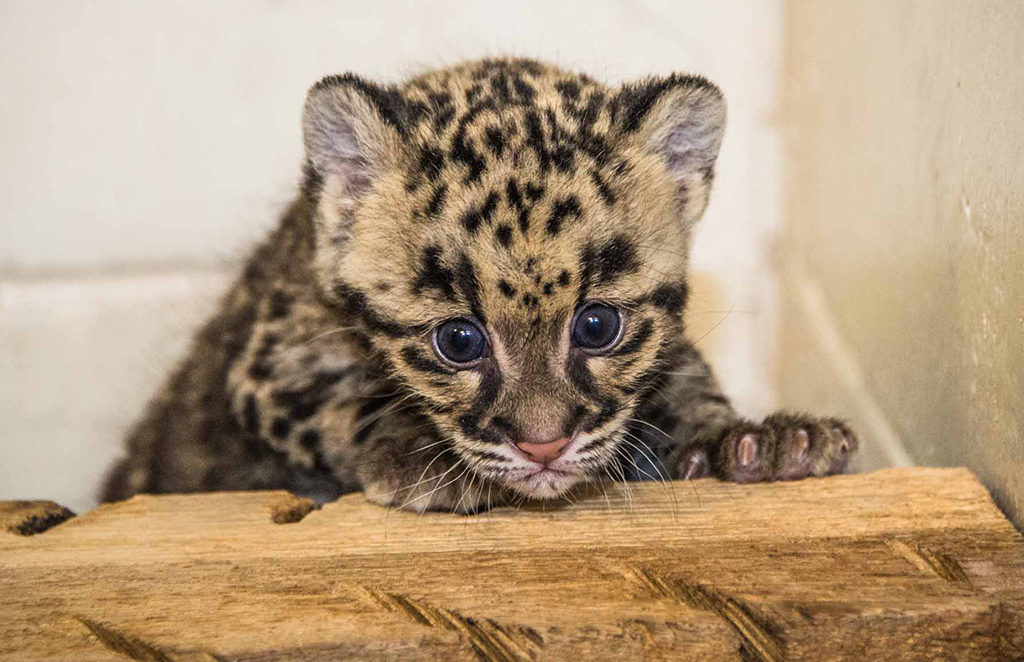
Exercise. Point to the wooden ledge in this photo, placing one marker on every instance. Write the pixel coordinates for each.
(902, 564)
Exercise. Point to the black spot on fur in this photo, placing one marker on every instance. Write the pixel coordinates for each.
(671, 298)
(472, 219)
(569, 89)
(563, 278)
(252, 415)
(431, 162)
(504, 235)
(602, 188)
(280, 304)
(549, 288)
(443, 109)
(280, 428)
(437, 201)
(506, 288)
(260, 370)
(495, 141)
(310, 439)
(535, 140)
(515, 201)
(462, 147)
(534, 191)
(303, 403)
(563, 209)
(616, 257)
(433, 274)
(513, 194)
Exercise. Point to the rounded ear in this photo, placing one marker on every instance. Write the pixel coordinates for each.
(682, 118)
(351, 129)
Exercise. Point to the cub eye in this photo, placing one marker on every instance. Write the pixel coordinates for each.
(459, 341)
(596, 327)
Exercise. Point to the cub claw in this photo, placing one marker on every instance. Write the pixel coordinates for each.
(695, 465)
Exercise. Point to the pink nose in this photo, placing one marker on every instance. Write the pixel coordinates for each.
(545, 452)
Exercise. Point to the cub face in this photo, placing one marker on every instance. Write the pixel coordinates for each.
(513, 239)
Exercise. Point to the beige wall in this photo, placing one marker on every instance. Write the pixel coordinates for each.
(146, 145)
(903, 257)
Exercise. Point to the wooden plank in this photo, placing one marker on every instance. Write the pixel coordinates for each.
(901, 564)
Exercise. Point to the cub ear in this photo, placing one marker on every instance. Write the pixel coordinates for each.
(682, 118)
(352, 130)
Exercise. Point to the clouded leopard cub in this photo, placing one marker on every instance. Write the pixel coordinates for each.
(478, 292)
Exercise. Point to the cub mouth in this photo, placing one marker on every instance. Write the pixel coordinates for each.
(544, 482)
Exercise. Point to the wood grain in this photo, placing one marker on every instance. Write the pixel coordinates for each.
(909, 564)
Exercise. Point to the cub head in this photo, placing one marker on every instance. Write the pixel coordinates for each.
(514, 240)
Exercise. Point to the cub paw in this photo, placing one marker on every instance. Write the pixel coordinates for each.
(787, 447)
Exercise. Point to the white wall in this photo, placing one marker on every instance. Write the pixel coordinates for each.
(146, 146)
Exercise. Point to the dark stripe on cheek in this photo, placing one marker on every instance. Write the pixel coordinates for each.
(644, 380)
(593, 444)
(609, 408)
(490, 387)
(642, 335)
(580, 375)
(414, 357)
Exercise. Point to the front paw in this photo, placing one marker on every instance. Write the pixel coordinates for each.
(786, 447)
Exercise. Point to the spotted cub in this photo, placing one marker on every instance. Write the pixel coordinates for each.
(477, 296)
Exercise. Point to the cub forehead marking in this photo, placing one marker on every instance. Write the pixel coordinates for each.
(433, 274)
(565, 208)
(473, 217)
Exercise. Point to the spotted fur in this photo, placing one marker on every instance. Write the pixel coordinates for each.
(506, 191)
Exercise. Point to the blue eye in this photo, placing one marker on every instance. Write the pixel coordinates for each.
(596, 327)
(460, 341)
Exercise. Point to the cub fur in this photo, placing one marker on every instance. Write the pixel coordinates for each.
(477, 295)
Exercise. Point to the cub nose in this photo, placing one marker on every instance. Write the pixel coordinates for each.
(544, 452)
